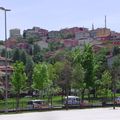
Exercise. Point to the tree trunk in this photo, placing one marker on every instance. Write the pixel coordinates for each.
(82, 95)
(17, 101)
(89, 95)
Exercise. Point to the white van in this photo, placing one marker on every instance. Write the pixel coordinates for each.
(72, 101)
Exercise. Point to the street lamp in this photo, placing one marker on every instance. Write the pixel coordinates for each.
(6, 78)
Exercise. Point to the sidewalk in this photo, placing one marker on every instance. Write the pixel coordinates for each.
(82, 114)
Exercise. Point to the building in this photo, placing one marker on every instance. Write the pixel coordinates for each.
(54, 34)
(92, 34)
(103, 33)
(42, 44)
(68, 33)
(115, 38)
(82, 35)
(70, 43)
(11, 43)
(15, 33)
(36, 33)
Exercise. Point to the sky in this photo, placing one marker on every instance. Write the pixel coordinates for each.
(58, 14)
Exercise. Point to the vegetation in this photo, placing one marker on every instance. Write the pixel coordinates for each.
(76, 71)
(18, 78)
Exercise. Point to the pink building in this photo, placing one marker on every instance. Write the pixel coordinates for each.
(11, 43)
(70, 42)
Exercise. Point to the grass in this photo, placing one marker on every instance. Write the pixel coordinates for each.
(23, 102)
(57, 101)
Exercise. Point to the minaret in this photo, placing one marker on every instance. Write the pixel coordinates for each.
(92, 26)
(105, 22)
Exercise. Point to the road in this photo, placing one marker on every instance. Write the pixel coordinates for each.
(83, 114)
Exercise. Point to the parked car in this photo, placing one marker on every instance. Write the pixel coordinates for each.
(38, 104)
(117, 100)
(72, 101)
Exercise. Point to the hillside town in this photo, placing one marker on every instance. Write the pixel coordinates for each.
(36, 39)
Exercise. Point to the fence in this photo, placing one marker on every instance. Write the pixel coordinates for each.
(57, 104)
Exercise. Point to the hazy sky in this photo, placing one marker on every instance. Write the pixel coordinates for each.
(57, 14)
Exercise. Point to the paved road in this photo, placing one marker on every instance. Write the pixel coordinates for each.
(83, 114)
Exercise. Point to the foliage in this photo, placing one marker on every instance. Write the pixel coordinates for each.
(3, 52)
(105, 84)
(116, 50)
(87, 62)
(39, 57)
(40, 77)
(29, 71)
(18, 79)
(116, 70)
(78, 77)
(16, 55)
(23, 57)
(36, 49)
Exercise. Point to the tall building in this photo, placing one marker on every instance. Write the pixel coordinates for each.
(15, 33)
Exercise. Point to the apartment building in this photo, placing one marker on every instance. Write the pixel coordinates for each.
(15, 33)
(36, 33)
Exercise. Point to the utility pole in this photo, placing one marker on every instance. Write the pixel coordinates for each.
(6, 74)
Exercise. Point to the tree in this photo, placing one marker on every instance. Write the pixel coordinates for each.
(16, 55)
(116, 50)
(78, 79)
(85, 57)
(52, 87)
(115, 74)
(87, 62)
(66, 78)
(105, 85)
(29, 71)
(39, 57)
(3, 52)
(100, 65)
(23, 57)
(40, 78)
(18, 80)
(36, 49)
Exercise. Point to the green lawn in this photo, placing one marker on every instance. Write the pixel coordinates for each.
(57, 101)
(23, 102)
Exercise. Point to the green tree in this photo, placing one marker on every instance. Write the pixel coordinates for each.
(85, 57)
(105, 85)
(39, 57)
(40, 78)
(52, 87)
(23, 57)
(18, 80)
(78, 79)
(29, 71)
(115, 75)
(87, 62)
(36, 49)
(100, 65)
(16, 55)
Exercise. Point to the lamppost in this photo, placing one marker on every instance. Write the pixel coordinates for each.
(6, 75)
